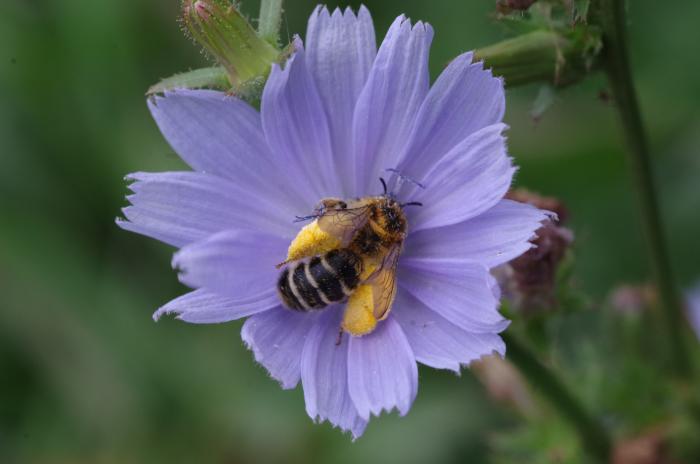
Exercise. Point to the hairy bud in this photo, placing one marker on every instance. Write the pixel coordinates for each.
(228, 37)
(557, 57)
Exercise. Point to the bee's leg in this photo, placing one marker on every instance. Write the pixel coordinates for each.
(340, 337)
(359, 317)
(310, 241)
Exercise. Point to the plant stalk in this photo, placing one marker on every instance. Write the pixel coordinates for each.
(617, 66)
(594, 438)
(270, 20)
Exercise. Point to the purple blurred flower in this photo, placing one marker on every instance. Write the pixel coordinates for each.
(332, 120)
(693, 301)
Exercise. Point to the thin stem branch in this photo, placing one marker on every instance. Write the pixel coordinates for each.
(594, 438)
(617, 65)
(270, 20)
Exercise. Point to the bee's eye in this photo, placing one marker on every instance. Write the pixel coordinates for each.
(342, 205)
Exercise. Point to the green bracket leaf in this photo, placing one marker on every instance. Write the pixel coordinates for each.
(211, 78)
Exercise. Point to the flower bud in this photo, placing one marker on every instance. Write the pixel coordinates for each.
(504, 384)
(558, 57)
(529, 280)
(228, 37)
(633, 299)
(507, 6)
(648, 448)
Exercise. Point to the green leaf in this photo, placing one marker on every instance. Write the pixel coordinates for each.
(212, 78)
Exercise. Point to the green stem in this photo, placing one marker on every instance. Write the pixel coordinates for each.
(270, 20)
(594, 438)
(617, 65)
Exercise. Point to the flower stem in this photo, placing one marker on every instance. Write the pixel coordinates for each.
(594, 438)
(617, 66)
(270, 20)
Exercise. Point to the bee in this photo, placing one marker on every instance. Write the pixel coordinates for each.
(348, 253)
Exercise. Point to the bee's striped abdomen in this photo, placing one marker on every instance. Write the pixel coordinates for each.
(326, 280)
(323, 280)
(345, 265)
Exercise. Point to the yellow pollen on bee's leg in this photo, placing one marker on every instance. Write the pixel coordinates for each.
(368, 270)
(311, 241)
(359, 316)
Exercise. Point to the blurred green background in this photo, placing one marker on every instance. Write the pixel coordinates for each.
(87, 376)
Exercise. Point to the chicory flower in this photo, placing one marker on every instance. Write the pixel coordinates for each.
(333, 118)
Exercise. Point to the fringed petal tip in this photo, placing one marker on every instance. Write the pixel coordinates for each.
(404, 23)
(458, 367)
(382, 371)
(322, 12)
(177, 265)
(160, 312)
(282, 69)
(324, 375)
(204, 307)
(276, 338)
(122, 222)
(285, 384)
(355, 431)
(134, 177)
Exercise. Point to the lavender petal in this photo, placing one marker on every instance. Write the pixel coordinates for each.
(470, 179)
(204, 307)
(388, 104)
(492, 238)
(179, 208)
(382, 371)
(459, 291)
(296, 128)
(438, 343)
(340, 50)
(235, 263)
(276, 338)
(464, 99)
(220, 134)
(324, 375)
(693, 297)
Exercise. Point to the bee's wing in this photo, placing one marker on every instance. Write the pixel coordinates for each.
(383, 282)
(344, 223)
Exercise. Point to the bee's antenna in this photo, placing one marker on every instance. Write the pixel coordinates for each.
(402, 177)
(305, 218)
(383, 184)
(412, 203)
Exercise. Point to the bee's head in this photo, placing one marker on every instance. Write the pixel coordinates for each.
(390, 217)
(390, 195)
